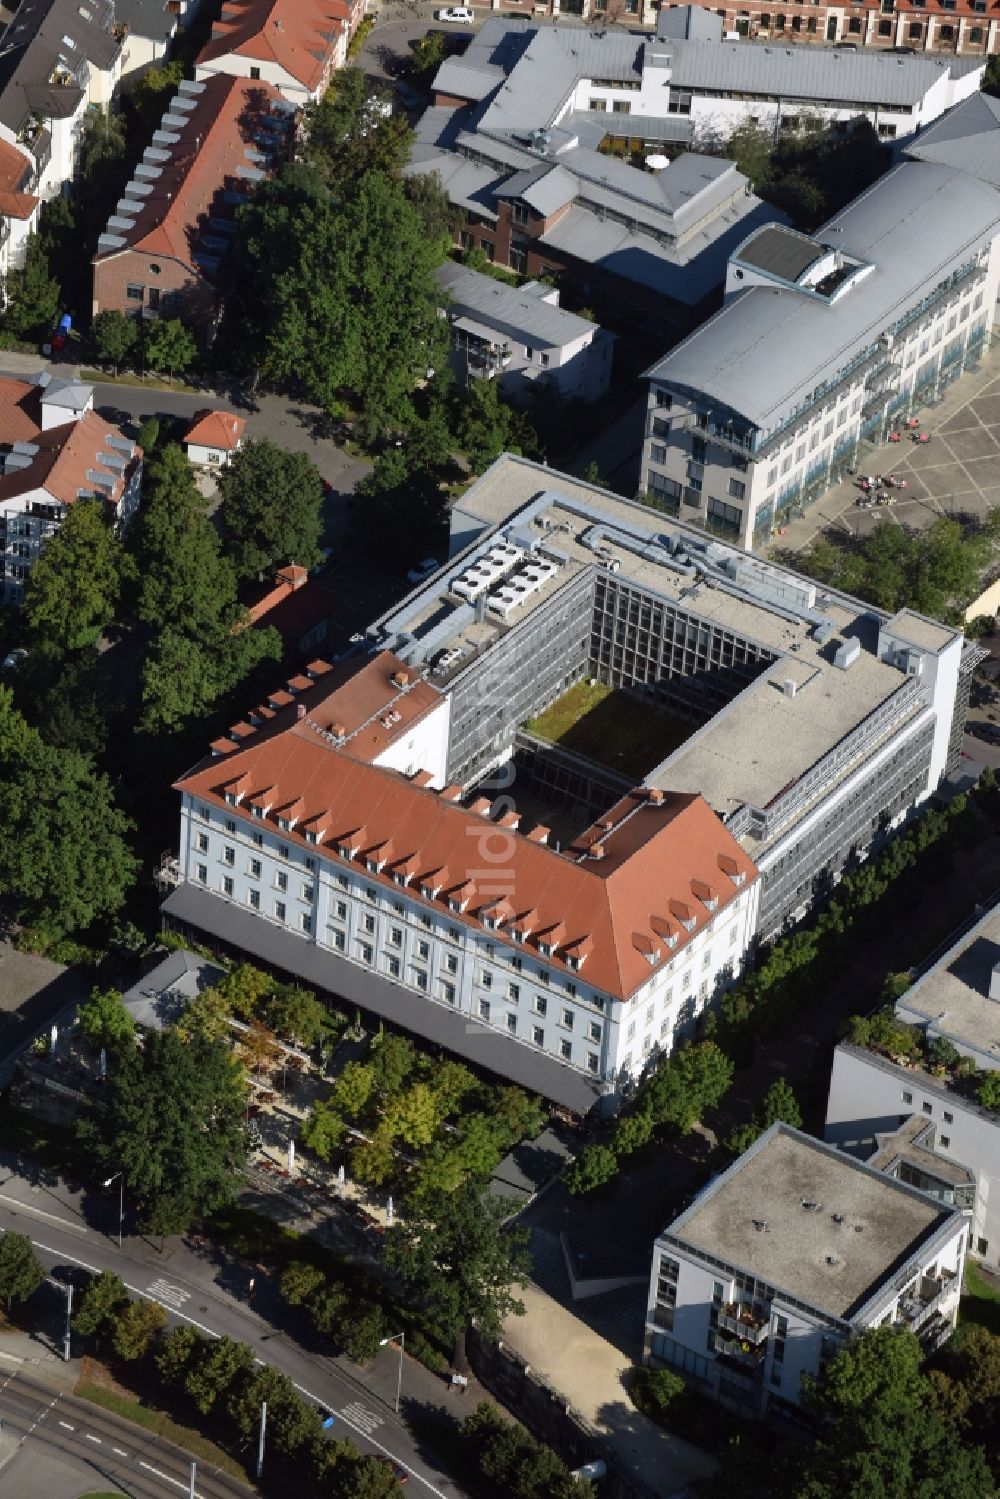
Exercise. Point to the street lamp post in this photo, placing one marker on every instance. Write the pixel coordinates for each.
(260, 1443)
(67, 1335)
(119, 1177)
(400, 1338)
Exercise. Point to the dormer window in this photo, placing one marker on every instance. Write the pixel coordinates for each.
(257, 812)
(545, 948)
(312, 837)
(230, 798)
(372, 866)
(344, 851)
(400, 879)
(284, 825)
(490, 923)
(516, 934)
(427, 892)
(573, 963)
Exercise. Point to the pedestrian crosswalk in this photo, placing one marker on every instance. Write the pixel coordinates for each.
(168, 1294)
(360, 1416)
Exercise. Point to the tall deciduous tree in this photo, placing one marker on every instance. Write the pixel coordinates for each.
(32, 294)
(102, 1304)
(115, 336)
(170, 1117)
(137, 1327)
(63, 856)
(351, 132)
(170, 346)
(272, 504)
(21, 1272)
(74, 587)
(104, 1020)
(461, 1260)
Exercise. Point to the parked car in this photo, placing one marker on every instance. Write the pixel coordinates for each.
(13, 657)
(423, 570)
(71, 1275)
(458, 15)
(400, 1473)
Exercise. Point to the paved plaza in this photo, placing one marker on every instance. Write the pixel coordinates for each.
(956, 474)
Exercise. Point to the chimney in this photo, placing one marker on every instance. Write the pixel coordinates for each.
(597, 851)
(338, 731)
(656, 796)
(300, 711)
(400, 679)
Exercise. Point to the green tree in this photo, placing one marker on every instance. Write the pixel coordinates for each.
(459, 1258)
(64, 857)
(594, 1167)
(206, 1015)
(59, 237)
(878, 1371)
(400, 510)
(300, 1281)
(298, 1015)
(429, 53)
(73, 588)
(272, 504)
(749, 147)
(149, 435)
(632, 1132)
(245, 989)
(686, 1084)
(908, 1455)
(780, 1103)
(104, 1020)
(218, 1364)
(428, 196)
(103, 1302)
(153, 91)
(351, 132)
(32, 295)
(513, 1462)
(991, 78)
(414, 1116)
(354, 1089)
(170, 346)
(137, 1328)
(742, 1137)
(452, 1082)
(361, 1330)
(21, 1272)
(170, 1117)
(177, 1352)
(373, 1161)
(988, 1091)
(115, 337)
(393, 1059)
(486, 425)
(323, 1129)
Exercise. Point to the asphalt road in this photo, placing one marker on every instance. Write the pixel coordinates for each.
(195, 1287)
(109, 1451)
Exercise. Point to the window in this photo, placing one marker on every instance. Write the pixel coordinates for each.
(229, 855)
(392, 966)
(253, 899)
(282, 850)
(666, 1291)
(203, 843)
(948, 1118)
(600, 105)
(543, 975)
(854, 26)
(337, 937)
(154, 298)
(538, 1035)
(258, 839)
(982, 1245)
(679, 102)
(281, 880)
(365, 952)
(450, 962)
(570, 990)
(885, 28)
(926, 1108)
(447, 992)
(566, 1050)
(254, 868)
(227, 885)
(519, 213)
(540, 1005)
(395, 936)
(512, 1023)
(369, 922)
(484, 1008)
(255, 73)
(737, 489)
(486, 979)
(944, 1141)
(657, 453)
(203, 874)
(279, 910)
(914, 31)
(306, 922)
(134, 293)
(514, 992)
(594, 1033)
(593, 1061)
(630, 1033)
(342, 909)
(420, 979)
(308, 890)
(310, 863)
(567, 1019)
(424, 951)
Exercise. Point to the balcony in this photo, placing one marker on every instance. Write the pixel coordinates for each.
(744, 1323)
(925, 1300)
(738, 442)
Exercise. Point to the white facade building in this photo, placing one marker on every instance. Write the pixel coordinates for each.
(957, 999)
(825, 340)
(327, 832)
(522, 338)
(295, 45)
(786, 1255)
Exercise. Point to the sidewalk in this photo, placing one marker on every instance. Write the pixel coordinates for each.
(588, 1372)
(20, 1350)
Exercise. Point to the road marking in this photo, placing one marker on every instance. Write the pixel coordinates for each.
(367, 1420)
(40, 1417)
(119, 1451)
(90, 1438)
(167, 1478)
(67, 1425)
(13, 1358)
(26, 1207)
(165, 1291)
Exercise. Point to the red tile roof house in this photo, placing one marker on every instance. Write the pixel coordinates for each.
(314, 839)
(163, 246)
(55, 450)
(296, 45)
(18, 207)
(214, 438)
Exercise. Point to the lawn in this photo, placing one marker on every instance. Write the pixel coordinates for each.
(612, 728)
(980, 1304)
(158, 1422)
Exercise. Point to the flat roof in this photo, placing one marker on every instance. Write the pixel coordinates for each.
(780, 252)
(954, 995)
(917, 630)
(797, 1188)
(765, 738)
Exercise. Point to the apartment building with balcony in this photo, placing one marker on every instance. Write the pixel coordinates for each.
(321, 837)
(164, 244)
(58, 59)
(294, 45)
(829, 339)
(521, 338)
(792, 1251)
(872, 1095)
(54, 451)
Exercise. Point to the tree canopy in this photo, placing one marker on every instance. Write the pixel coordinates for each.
(64, 857)
(104, 1020)
(271, 509)
(170, 1117)
(74, 587)
(32, 294)
(352, 131)
(21, 1272)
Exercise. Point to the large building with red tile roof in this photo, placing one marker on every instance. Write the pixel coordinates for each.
(163, 246)
(324, 820)
(55, 450)
(295, 45)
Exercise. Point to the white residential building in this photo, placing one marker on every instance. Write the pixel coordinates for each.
(522, 338)
(829, 339)
(790, 1252)
(295, 45)
(871, 1095)
(57, 451)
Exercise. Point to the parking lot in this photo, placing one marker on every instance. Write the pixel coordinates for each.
(956, 474)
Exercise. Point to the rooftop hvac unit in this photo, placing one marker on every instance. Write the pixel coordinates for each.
(847, 653)
(789, 687)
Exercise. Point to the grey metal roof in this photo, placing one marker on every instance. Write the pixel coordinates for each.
(483, 1045)
(780, 251)
(546, 190)
(810, 73)
(766, 350)
(967, 137)
(160, 997)
(147, 18)
(455, 76)
(690, 22)
(508, 309)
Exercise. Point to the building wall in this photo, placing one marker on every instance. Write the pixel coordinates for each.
(747, 494)
(578, 370)
(124, 282)
(26, 523)
(425, 748)
(869, 1095)
(292, 89)
(203, 457)
(139, 53)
